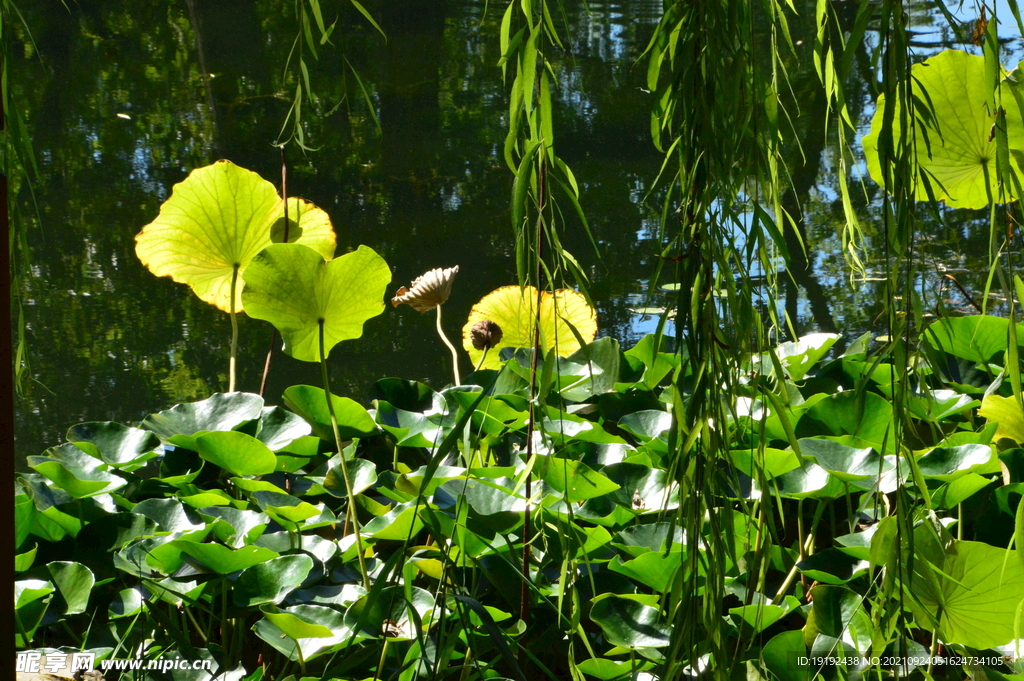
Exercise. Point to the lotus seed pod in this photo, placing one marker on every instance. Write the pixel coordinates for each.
(485, 335)
(428, 291)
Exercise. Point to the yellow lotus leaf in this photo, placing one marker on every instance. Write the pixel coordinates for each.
(219, 218)
(514, 310)
(1006, 411)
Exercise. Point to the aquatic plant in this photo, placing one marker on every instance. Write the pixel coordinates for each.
(429, 292)
(214, 224)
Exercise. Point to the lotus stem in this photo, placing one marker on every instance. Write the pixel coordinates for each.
(351, 510)
(482, 358)
(234, 332)
(455, 355)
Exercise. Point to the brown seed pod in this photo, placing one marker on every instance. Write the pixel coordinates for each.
(428, 291)
(485, 335)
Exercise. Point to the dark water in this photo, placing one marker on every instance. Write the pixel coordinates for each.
(125, 97)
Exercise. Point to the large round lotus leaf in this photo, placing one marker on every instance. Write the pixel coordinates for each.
(310, 403)
(270, 582)
(236, 452)
(75, 582)
(975, 596)
(223, 560)
(294, 288)
(75, 472)
(118, 444)
(629, 623)
(222, 411)
(219, 218)
(954, 141)
(515, 311)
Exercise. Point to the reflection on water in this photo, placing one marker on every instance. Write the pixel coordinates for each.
(124, 98)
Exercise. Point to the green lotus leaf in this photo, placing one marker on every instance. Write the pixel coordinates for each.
(168, 514)
(959, 490)
(236, 528)
(118, 445)
(576, 481)
(655, 569)
(223, 560)
(388, 614)
(862, 414)
(218, 219)
(797, 357)
(629, 623)
(640, 539)
(780, 657)
(29, 590)
(303, 619)
(222, 411)
(514, 310)
(410, 428)
(310, 403)
(950, 463)
(607, 670)
(127, 603)
(285, 507)
(24, 561)
(642, 488)
(236, 452)
(75, 472)
(978, 338)
(774, 462)
(204, 498)
(294, 288)
(760, 617)
(398, 524)
(846, 463)
(409, 395)
(810, 481)
(361, 472)
(832, 566)
(271, 581)
(647, 424)
(955, 143)
(973, 596)
(279, 427)
(75, 582)
(284, 542)
(1007, 413)
(835, 612)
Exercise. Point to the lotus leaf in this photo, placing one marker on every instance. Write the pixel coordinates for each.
(74, 581)
(629, 623)
(168, 514)
(236, 452)
(797, 357)
(271, 581)
(576, 481)
(832, 566)
(956, 149)
(279, 427)
(972, 595)
(223, 560)
(128, 602)
(217, 220)
(362, 473)
(959, 490)
(118, 445)
(780, 657)
(29, 590)
(301, 619)
(295, 289)
(285, 507)
(310, 403)
(950, 463)
(1005, 411)
(515, 311)
(655, 569)
(222, 411)
(75, 472)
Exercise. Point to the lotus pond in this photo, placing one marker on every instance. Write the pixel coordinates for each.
(608, 474)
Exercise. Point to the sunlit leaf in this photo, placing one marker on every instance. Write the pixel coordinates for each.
(515, 311)
(955, 143)
(294, 288)
(219, 218)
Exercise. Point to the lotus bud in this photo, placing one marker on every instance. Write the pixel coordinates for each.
(428, 291)
(485, 335)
